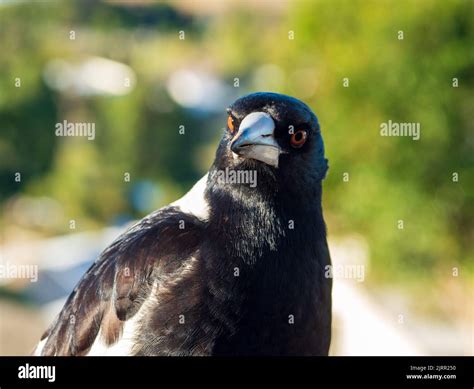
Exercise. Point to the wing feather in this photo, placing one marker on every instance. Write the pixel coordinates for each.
(116, 285)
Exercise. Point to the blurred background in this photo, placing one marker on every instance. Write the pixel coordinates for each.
(145, 72)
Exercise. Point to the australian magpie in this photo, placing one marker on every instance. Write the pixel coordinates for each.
(230, 268)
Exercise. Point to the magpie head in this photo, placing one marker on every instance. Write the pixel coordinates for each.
(276, 135)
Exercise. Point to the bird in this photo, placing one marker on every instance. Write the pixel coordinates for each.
(230, 268)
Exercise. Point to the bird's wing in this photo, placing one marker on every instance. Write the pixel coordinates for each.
(102, 312)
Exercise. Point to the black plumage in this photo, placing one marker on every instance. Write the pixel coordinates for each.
(245, 277)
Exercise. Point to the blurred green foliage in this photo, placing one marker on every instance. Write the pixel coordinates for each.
(390, 179)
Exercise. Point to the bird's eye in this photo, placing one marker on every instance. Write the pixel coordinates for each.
(230, 123)
(298, 138)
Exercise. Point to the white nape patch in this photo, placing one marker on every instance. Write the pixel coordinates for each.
(194, 201)
(39, 347)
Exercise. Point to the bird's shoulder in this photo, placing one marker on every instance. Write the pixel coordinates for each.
(152, 252)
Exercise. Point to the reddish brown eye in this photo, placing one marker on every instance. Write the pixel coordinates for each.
(230, 123)
(298, 139)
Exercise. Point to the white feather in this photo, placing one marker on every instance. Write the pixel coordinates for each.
(39, 347)
(194, 201)
(124, 346)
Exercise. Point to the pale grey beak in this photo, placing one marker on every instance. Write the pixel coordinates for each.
(256, 140)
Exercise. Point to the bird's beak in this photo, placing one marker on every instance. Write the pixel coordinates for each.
(255, 139)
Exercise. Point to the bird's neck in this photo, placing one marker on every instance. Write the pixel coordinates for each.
(252, 224)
